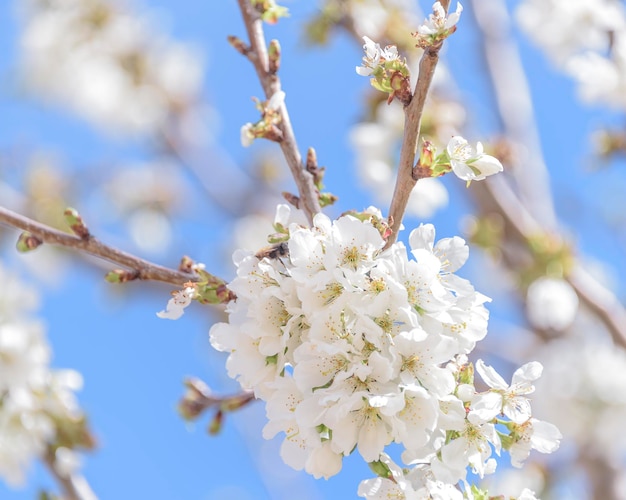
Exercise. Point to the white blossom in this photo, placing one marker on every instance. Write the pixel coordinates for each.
(471, 164)
(439, 22)
(175, 307)
(585, 38)
(505, 399)
(111, 66)
(534, 435)
(33, 398)
(551, 303)
(375, 56)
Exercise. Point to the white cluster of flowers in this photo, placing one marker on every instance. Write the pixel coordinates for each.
(107, 64)
(353, 347)
(32, 397)
(587, 38)
(440, 22)
(375, 56)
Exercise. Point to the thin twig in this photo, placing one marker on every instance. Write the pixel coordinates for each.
(309, 201)
(144, 269)
(514, 102)
(73, 486)
(592, 294)
(412, 122)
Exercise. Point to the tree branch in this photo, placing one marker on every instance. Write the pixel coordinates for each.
(591, 293)
(412, 123)
(514, 102)
(74, 486)
(270, 82)
(144, 269)
(522, 213)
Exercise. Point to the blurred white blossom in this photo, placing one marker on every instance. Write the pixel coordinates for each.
(583, 391)
(585, 38)
(33, 398)
(469, 163)
(551, 303)
(107, 64)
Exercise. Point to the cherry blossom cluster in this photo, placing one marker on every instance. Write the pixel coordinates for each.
(353, 346)
(35, 401)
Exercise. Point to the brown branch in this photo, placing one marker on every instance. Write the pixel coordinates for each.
(143, 269)
(199, 398)
(412, 122)
(73, 486)
(270, 82)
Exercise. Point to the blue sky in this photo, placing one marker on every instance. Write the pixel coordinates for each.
(133, 363)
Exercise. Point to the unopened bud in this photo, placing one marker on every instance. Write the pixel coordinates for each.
(239, 45)
(401, 85)
(427, 154)
(75, 221)
(186, 265)
(381, 469)
(274, 57)
(292, 199)
(216, 423)
(121, 276)
(27, 242)
(327, 199)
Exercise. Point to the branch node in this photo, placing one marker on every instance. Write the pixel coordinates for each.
(292, 199)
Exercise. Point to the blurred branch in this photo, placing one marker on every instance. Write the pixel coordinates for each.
(258, 56)
(73, 486)
(514, 103)
(199, 398)
(412, 122)
(142, 269)
(592, 294)
(522, 213)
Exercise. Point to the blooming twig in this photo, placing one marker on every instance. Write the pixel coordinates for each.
(257, 53)
(141, 269)
(73, 485)
(199, 399)
(413, 117)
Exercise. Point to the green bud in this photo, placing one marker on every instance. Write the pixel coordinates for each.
(325, 433)
(381, 469)
(327, 199)
(27, 242)
(120, 276)
(75, 221)
(273, 54)
(466, 374)
(481, 494)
